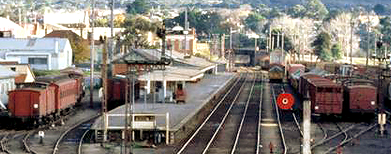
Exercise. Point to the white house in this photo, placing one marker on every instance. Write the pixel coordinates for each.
(40, 53)
(7, 83)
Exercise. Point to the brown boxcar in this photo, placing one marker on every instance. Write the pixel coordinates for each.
(360, 96)
(31, 103)
(326, 96)
(304, 83)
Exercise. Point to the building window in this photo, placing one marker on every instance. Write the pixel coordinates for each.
(13, 68)
(38, 61)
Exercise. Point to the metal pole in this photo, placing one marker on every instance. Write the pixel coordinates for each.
(230, 38)
(126, 114)
(92, 51)
(278, 40)
(351, 44)
(270, 39)
(307, 127)
(111, 50)
(376, 47)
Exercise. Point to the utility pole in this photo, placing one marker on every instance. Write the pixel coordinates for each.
(92, 51)
(111, 46)
(104, 78)
(125, 133)
(368, 30)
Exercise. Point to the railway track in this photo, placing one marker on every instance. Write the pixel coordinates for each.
(70, 141)
(211, 130)
(15, 142)
(337, 136)
(247, 139)
(290, 120)
(282, 148)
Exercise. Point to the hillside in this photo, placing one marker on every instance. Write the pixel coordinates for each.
(287, 3)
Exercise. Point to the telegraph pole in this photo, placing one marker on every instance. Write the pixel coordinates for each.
(111, 46)
(92, 51)
(104, 101)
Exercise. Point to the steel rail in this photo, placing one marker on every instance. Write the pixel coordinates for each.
(26, 146)
(355, 136)
(332, 137)
(81, 141)
(297, 124)
(279, 122)
(259, 118)
(207, 118)
(55, 148)
(223, 120)
(243, 117)
(3, 147)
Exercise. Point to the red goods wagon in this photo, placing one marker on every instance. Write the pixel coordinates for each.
(116, 91)
(304, 83)
(360, 96)
(65, 93)
(31, 104)
(326, 97)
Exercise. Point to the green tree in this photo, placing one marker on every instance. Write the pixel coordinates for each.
(380, 9)
(137, 7)
(385, 29)
(297, 11)
(336, 51)
(204, 23)
(101, 22)
(322, 45)
(253, 22)
(274, 13)
(136, 29)
(316, 9)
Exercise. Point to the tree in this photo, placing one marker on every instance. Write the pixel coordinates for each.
(385, 29)
(316, 9)
(136, 29)
(204, 23)
(322, 45)
(336, 51)
(380, 9)
(297, 11)
(253, 22)
(137, 7)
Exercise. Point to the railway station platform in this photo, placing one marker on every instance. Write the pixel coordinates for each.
(176, 119)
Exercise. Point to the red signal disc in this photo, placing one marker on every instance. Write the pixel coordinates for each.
(285, 101)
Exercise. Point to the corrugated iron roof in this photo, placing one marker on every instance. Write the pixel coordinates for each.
(151, 55)
(43, 44)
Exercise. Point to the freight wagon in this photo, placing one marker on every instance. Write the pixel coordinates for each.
(45, 100)
(330, 98)
(359, 96)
